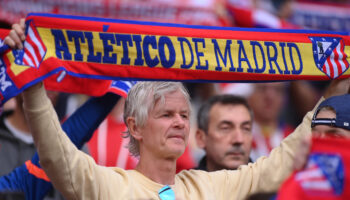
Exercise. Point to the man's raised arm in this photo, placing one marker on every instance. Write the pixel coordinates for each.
(71, 171)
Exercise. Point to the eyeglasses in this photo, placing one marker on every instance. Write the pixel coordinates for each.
(166, 193)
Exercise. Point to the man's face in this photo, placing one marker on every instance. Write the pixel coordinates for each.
(228, 141)
(167, 128)
(329, 131)
(267, 101)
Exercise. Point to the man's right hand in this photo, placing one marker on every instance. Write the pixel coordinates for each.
(338, 87)
(16, 35)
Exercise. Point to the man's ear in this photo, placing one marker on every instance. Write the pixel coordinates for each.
(201, 138)
(133, 129)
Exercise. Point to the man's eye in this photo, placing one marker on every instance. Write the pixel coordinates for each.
(247, 129)
(184, 116)
(225, 128)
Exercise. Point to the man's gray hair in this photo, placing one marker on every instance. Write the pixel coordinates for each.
(141, 99)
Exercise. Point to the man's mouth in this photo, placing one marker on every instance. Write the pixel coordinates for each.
(177, 136)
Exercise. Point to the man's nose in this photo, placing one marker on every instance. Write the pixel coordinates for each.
(319, 134)
(323, 135)
(179, 121)
(237, 137)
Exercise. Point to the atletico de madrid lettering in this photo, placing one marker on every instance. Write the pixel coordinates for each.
(329, 55)
(192, 52)
(178, 52)
(67, 50)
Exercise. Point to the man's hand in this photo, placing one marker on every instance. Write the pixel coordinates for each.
(16, 36)
(15, 39)
(302, 155)
(338, 87)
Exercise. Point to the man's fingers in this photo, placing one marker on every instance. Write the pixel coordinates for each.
(302, 154)
(23, 27)
(22, 22)
(19, 28)
(15, 38)
(9, 42)
(337, 87)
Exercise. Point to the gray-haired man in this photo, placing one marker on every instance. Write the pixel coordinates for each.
(157, 116)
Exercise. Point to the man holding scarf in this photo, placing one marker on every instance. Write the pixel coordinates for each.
(157, 117)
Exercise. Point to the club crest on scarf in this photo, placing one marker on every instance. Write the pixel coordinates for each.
(329, 55)
(34, 49)
(323, 176)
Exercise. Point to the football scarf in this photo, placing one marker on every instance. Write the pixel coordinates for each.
(325, 176)
(83, 54)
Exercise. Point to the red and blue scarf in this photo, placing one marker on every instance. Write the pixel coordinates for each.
(326, 175)
(83, 54)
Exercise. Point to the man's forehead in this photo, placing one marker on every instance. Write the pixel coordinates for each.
(325, 128)
(171, 100)
(326, 114)
(228, 107)
(230, 112)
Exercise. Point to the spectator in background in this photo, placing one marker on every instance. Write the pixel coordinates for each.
(261, 13)
(283, 8)
(29, 178)
(16, 142)
(269, 129)
(327, 163)
(332, 118)
(266, 101)
(224, 132)
(107, 146)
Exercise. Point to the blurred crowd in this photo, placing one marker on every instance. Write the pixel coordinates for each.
(277, 107)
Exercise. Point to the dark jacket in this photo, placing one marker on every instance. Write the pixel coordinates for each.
(13, 152)
(203, 164)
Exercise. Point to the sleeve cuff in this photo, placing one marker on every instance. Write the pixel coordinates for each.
(35, 97)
